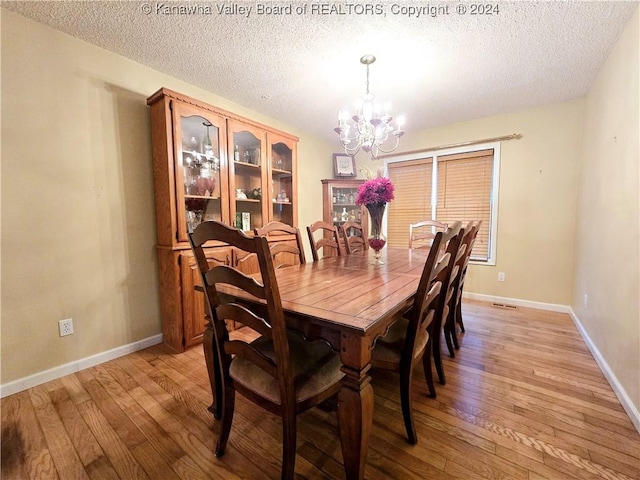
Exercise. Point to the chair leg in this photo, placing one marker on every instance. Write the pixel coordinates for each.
(437, 360)
(288, 445)
(228, 399)
(405, 400)
(459, 316)
(448, 337)
(426, 366)
(213, 369)
(453, 329)
(450, 331)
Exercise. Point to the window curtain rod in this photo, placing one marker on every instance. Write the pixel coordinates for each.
(513, 136)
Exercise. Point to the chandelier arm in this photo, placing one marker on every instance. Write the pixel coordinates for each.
(389, 151)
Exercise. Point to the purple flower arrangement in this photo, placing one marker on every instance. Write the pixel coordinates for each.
(375, 191)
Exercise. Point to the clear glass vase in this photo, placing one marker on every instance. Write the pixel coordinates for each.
(377, 240)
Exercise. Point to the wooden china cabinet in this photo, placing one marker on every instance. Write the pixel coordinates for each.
(339, 202)
(210, 164)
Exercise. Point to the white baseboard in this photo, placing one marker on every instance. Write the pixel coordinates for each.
(618, 389)
(72, 367)
(553, 307)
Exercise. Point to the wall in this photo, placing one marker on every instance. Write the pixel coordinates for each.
(77, 193)
(608, 217)
(537, 203)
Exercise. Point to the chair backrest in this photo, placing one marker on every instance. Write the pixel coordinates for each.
(267, 320)
(421, 234)
(285, 243)
(354, 240)
(453, 246)
(426, 302)
(471, 233)
(329, 240)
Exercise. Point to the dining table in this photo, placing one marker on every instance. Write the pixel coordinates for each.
(349, 301)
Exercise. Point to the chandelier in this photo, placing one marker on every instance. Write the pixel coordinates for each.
(371, 127)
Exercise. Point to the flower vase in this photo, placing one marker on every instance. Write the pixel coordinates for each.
(376, 240)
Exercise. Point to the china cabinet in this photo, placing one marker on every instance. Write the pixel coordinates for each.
(211, 164)
(339, 202)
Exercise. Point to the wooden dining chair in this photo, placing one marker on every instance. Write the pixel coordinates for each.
(329, 242)
(353, 236)
(451, 244)
(454, 319)
(279, 371)
(421, 234)
(285, 243)
(409, 341)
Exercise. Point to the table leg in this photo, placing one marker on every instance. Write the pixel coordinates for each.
(355, 414)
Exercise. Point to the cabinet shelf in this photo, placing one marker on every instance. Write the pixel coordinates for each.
(193, 153)
(246, 165)
(248, 200)
(203, 197)
(280, 173)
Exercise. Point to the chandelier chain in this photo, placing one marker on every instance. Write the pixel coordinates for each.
(367, 79)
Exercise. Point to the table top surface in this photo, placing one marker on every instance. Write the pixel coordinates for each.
(351, 292)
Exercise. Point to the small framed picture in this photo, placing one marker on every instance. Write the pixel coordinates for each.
(344, 165)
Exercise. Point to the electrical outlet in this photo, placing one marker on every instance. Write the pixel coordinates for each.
(501, 276)
(66, 327)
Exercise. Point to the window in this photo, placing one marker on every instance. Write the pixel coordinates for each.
(447, 186)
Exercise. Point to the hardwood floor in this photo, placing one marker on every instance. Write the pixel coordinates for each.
(524, 399)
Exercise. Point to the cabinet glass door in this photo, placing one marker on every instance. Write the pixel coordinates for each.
(246, 147)
(343, 205)
(281, 162)
(198, 139)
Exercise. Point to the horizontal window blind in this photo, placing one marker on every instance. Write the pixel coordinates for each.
(412, 202)
(464, 193)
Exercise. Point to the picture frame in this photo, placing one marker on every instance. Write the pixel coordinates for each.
(344, 166)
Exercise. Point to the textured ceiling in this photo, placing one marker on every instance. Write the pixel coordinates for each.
(304, 67)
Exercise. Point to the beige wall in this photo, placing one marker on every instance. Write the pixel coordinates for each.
(77, 195)
(607, 266)
(537, 204)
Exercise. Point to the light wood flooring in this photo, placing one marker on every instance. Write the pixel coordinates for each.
(524, 399)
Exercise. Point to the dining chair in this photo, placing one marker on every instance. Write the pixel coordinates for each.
(329, 241)
(409, 341)
(421, 234)
(289, 250)
(279, 371)
(454, 319)
(451, 244)
(353, 236)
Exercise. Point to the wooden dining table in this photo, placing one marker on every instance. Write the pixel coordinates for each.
(349, 302)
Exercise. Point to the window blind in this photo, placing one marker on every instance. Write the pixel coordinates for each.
(464, 193)
(412, 202)
(464, 183)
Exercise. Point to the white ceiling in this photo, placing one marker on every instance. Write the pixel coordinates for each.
(303, 68)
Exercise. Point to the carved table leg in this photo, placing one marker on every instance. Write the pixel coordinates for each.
(355, 407)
